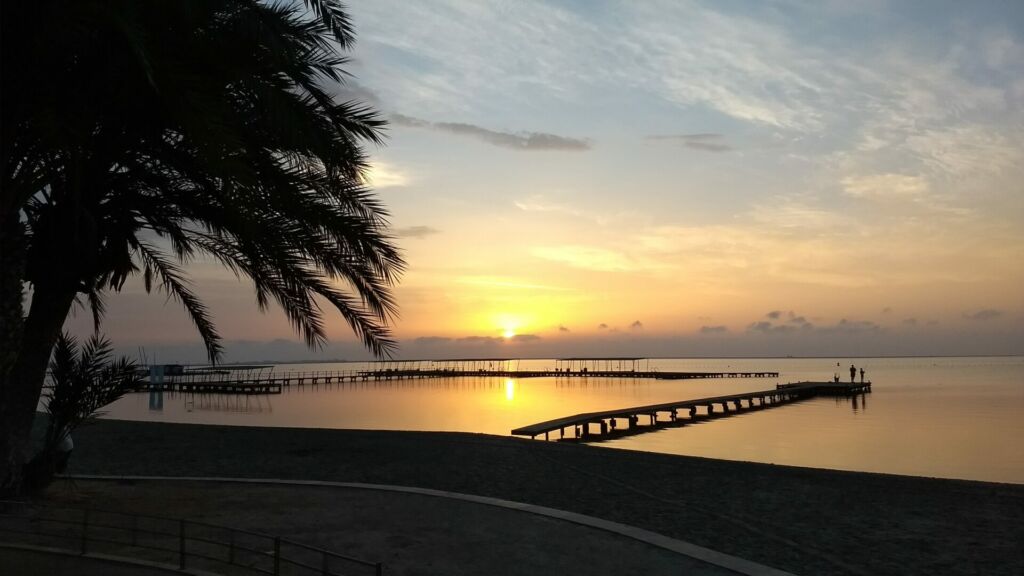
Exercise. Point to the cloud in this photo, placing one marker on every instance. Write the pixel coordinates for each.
(636, 325)
(586, 257)
(352, 91)
(885, 186)
(984, 315)
(780, 322)
(383, 175)
(764, 327)
(415, 232)
(475, 340)
(794, 319)
(705, 141)
(537, 203)
(484, 340)
(510, 283)
(432, 340)
(910, 321)
(563, 329)
(850, 327)
(602, 326)
(713, 329)
(887, 310)
(597, 258)
(528, 141)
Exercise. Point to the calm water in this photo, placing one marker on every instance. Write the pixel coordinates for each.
(943, 417)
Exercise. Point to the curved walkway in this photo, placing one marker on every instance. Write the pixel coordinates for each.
(24, 560)
(416, 530)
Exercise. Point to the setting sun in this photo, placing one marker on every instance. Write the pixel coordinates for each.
(508, 333)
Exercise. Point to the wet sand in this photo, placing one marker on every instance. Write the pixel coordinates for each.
(804, 520)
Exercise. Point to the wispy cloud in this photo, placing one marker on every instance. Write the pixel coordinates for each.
(586, 257)
(984, 315)
(415, 232)
(713, 329)
(526, 141)
(704, 141)
(885, 186)
(538, 203)
(384, 175)
(509, 283)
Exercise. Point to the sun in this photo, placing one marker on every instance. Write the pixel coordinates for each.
(508, 333)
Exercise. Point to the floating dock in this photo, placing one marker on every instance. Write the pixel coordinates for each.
(679, 413)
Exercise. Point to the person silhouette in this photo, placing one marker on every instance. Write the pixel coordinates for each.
(853, 373)
(862, 375)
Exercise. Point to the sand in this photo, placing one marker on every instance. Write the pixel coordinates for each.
(804, 520)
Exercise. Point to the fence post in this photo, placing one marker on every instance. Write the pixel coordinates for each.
(85, 531)
(277, 555)
(325, 569)
(380, 569)
(231, 548)
(181, 544)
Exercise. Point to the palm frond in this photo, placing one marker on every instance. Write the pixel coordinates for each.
(176, 286)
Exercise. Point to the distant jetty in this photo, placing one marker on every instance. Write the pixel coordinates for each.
(262, 380)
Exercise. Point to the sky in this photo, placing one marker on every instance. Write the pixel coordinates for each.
(675, 178)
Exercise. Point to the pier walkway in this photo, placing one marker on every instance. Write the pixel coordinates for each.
(269, 382)
(607, 421)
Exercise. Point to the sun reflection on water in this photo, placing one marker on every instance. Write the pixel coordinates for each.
(510, 389)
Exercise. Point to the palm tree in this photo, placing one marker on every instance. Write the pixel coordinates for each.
(85, 378)
(139, 136)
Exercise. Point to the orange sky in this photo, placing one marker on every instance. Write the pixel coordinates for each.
(680, 178)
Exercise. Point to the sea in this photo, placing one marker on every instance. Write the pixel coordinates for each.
(938, 417)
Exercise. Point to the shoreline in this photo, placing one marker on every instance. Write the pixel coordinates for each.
(833, 357)
(805, 520)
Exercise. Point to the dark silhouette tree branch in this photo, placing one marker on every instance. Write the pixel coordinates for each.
(139, 136)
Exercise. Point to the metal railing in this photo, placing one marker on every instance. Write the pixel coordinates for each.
(172, 541)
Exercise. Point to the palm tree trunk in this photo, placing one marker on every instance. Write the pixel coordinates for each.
(23, 383)
(12, 265)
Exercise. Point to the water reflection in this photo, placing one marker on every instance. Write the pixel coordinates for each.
(156, 400)
(236, 403)
(928, 416)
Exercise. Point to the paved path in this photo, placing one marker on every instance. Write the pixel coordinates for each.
(38, 563)
(412, 534)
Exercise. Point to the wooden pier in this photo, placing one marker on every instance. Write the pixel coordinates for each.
(222, 387)
(682, 412)
(263, 380)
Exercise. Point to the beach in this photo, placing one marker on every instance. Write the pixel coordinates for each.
(804, 520)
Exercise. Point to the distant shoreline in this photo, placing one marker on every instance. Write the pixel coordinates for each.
(342, 361)
(911, 525)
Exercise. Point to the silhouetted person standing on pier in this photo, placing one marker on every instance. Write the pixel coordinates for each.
(853, 373)
(862, 375)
